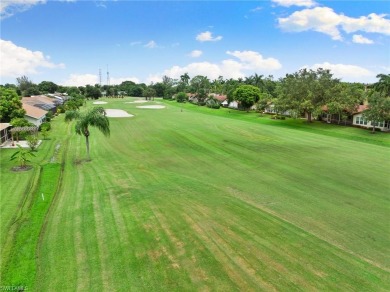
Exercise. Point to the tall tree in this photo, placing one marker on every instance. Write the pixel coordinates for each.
(378, 109)
(47, 87)
(185, 78)
(95, 117)
(345, 99)
(307, 90)
(92, 92)
(149, 92)
(10, 105)
(200, 85)
(247, 95)
(383, 84)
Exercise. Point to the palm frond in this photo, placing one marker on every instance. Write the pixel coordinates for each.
(102, 123)
(71, 115)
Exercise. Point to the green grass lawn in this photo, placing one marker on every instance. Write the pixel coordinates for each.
(188, 198)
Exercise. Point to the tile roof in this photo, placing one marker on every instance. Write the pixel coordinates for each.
(4, 126)
(38, 99)
(221, 97)
(33, 111)
(361, 108)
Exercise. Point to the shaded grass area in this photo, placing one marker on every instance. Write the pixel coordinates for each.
(184, 201)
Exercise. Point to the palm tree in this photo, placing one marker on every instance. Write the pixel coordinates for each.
(95, 117)
(22, 156)
(383, 84)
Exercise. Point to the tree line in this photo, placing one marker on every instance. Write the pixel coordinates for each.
(304, 92)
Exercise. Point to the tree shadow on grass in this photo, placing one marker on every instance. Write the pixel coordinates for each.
(81, 161)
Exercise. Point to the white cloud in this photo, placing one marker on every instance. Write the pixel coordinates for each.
(258, 8)
(10, 7)
(246, 62)
(288, 3)
(136, 43)
(376, 23)
(151, 45)
(251, 60)
(359, 39)
(17, 61)
(115, 81)
(207, 37)
(349, 73)
(325, 20)
(320, 19)
(92, 79)
(153, 78)
(81, 80)
(196, 53)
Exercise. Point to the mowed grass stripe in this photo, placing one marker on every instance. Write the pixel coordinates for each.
(166, 172)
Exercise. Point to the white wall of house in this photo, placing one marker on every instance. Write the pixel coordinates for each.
(270, 109)
(36, 122)
(358, 120)
(233, 104)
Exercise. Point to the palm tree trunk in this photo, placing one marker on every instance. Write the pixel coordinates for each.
(86, 134)
(87, 143)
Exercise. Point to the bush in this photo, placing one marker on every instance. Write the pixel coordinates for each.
(32, 142)
(49, 116)
(44, 133)
(181, 97)
(46, 126)
(60, 109)
(213, 103)
(278, 117)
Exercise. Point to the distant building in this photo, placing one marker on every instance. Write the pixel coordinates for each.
(34, 115)
(43, 102)
(359, 120)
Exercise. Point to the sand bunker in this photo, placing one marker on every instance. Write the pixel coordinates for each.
(116, 113)
(137, 101)
(151, 106)
(99, 102)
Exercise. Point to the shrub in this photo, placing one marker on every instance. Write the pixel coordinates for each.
(181, 97)
(46, 126)
(49, 116)
(44, 133)
(60, 109)
(213, 103)
(32, 142)
(278, 117)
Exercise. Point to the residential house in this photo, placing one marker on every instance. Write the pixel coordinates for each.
(34, 115)
(270, 109)
(360, 121)
(221, 98)
(5, 133)
(233, 104)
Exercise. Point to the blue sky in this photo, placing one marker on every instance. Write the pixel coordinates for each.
(68, 41)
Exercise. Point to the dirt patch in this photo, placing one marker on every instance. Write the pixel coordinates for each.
(81, 161)
(99, 102)
(21, 168)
